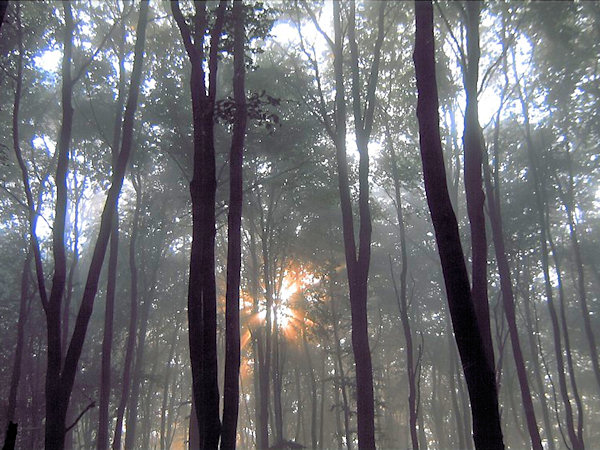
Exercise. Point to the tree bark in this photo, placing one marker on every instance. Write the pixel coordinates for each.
(133, 313)
(234, 238)
(480, 378)
(59, 384)
(536, 182)
(473, 144)
(508, 299)
(11, 431)
(339, 364)
(357, 263)
(132, 411)
(401, 296)
(202, 300)
(107, 339)
(56, 409)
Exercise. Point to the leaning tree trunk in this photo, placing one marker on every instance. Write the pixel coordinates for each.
(537, 183)
(508, 299)
(480, 377)
(59, 384)
(56, 409)
(231, 394)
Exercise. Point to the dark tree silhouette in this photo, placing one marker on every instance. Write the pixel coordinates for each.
(202, 295)
(231, 397)
(479, 375)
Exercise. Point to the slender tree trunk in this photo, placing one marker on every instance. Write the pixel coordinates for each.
(566, 336)
(455, 405)
(12, 428)
(534, 357)
(111, 283)
(266, 366)
(322, 409)
(339, 365)
(276, 374)
(262, 432)
(480, 378)
(56, 407)
(313, 390)
(543, 237)
(107, 340)
(410, 366)
(202, 296)
(473, 143)
(132, 410)
(508, 301)
(61, 388)
(401, 295)
(166, 384)
(133, 313)
(11, 431)
(234, 239)
(59, 383)
(357, 262)
(79, 190)
(569, 204)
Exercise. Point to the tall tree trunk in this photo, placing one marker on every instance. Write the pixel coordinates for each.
(133, 313)
(276, 374)
(107, 339)
(266, 365)
(59, 389)
(566, 336)
(508, 299)
(569, 203)
(401, 295)
(480, 378)
(357, 263)
(339, 364)
(202, 295)
(164, 411)
(403, 308)
(56, 407)
(313, 389)
(260, 393)
(234, 239)
(535, 363)
(66, 318)
(460, 428)
(473, 143)
(536, 182)
(136, 379)
(11, 431)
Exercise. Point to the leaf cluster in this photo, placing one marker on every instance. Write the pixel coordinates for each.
(258, 109)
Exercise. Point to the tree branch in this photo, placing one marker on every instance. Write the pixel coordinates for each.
(81, 414)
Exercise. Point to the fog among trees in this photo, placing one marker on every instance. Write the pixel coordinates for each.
(299, 224)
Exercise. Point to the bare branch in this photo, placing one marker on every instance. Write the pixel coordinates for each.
(81, 414)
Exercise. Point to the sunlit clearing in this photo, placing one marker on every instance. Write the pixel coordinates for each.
(49, 60)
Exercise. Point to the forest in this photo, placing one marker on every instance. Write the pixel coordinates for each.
(347, 224)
